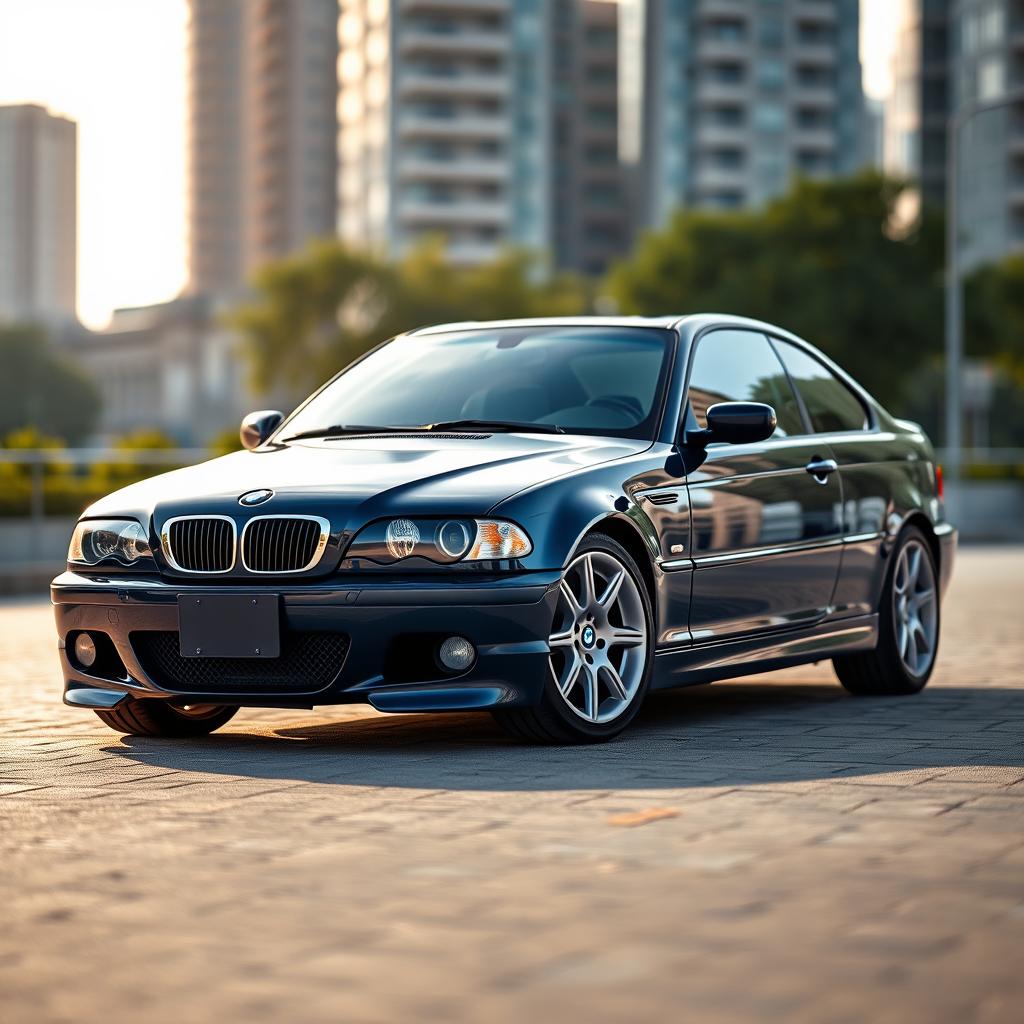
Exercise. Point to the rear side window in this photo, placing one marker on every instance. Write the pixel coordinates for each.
(831, 405)
(740, 366)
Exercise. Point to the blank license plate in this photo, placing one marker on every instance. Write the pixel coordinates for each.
(229, 626)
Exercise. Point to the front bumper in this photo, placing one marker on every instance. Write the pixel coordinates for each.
(507, 618)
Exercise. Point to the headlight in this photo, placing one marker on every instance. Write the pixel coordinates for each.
(108, 540)
(444, 541)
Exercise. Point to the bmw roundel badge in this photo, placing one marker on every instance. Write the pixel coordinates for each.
(256, 497)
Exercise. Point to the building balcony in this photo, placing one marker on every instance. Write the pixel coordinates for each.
(708, 134)
(820, 96)
(710, 9)
(709, 91)
(461, 86)
(471, 254)
(822, 139)
(411, 168)
(816, 54)
(412, 126)
(433, 214)
(714, 178)
(419, 41)
(708, 48)
(821, 12)
(455, 6)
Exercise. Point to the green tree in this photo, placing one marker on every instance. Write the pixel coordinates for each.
(994, 315)
(314, 313)
(827, 261)
(39, 388)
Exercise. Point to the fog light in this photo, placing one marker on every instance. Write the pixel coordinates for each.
(85, 650)
(456, 654)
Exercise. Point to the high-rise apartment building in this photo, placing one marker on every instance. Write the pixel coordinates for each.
(487, 123)
(915, 143)
(739, 97)
(443, 111)
(988, 72)
(964, 60)
(589, 219)
(262, 134)
(38, 210)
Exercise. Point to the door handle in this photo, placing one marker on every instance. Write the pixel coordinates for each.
(820, 469)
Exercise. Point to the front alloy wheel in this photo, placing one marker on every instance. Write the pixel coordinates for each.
(600, 651)
(599, 646)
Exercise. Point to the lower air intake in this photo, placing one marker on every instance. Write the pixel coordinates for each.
(308, 663)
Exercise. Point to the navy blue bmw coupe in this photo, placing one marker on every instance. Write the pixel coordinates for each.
(540, 519)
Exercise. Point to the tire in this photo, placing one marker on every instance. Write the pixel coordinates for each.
(602, 652)
(889, 669)
(158, 718)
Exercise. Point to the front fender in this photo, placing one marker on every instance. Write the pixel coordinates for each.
(559, 514)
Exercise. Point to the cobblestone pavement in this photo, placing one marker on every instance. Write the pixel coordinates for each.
(767, 849)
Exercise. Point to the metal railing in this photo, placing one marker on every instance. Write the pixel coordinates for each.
(43, 490)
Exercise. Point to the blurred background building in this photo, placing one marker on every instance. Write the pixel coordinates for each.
(951, 58)
(564, 127)
(919, 104)
(38, 215)
(485, 122)
(262, 157)
(738, 98)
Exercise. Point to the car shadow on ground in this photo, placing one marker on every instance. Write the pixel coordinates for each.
(725, 735)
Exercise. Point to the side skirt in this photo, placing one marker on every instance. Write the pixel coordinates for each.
(723, 659)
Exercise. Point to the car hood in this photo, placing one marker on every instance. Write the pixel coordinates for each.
(350, 479)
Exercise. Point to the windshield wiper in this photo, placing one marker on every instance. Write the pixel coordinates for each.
(507, 426)
(340, 429)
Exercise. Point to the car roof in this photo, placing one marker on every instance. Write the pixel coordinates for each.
(673, 320)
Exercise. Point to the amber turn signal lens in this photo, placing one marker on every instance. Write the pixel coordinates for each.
(498, 539)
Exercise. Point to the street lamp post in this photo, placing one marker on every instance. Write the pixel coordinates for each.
(954, 288)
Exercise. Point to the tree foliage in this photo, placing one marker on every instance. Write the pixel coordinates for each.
(828, 261)
(995, 315)
(40, 389)
(316, 312)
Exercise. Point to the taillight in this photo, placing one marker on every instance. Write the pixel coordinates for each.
(939, 486)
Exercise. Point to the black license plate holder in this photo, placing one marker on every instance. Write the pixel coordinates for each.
(229, 625)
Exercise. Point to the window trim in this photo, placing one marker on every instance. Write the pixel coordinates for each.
(772, 335)
(686, 409)
(870, 419)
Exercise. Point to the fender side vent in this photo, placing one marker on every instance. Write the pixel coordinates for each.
(662, 498)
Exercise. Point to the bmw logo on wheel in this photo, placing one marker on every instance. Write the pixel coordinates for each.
(256, 497)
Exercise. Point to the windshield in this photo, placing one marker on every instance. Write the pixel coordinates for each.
(590, 380)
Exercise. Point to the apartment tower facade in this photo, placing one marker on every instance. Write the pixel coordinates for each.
(485, 123)
(739, 97)
(38, 215)
(262, 135)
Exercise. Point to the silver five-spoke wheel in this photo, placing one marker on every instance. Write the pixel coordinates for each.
(914, 607)
(599, 642)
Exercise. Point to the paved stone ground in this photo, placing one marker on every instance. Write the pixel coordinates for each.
(816, 857)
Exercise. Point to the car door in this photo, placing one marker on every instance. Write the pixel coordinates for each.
(766, 517)
(869, 475)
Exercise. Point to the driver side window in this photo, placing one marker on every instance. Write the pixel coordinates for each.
(740, 366)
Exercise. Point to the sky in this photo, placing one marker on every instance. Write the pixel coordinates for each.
(118, 68)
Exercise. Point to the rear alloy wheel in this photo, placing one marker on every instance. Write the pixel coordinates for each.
(159, 718)
(908, 627)
(600, 644)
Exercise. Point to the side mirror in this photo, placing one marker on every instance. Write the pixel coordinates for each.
(735, 423)
(258, 426)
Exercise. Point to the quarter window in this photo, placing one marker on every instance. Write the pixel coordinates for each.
(740, 366)
(831, 405)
